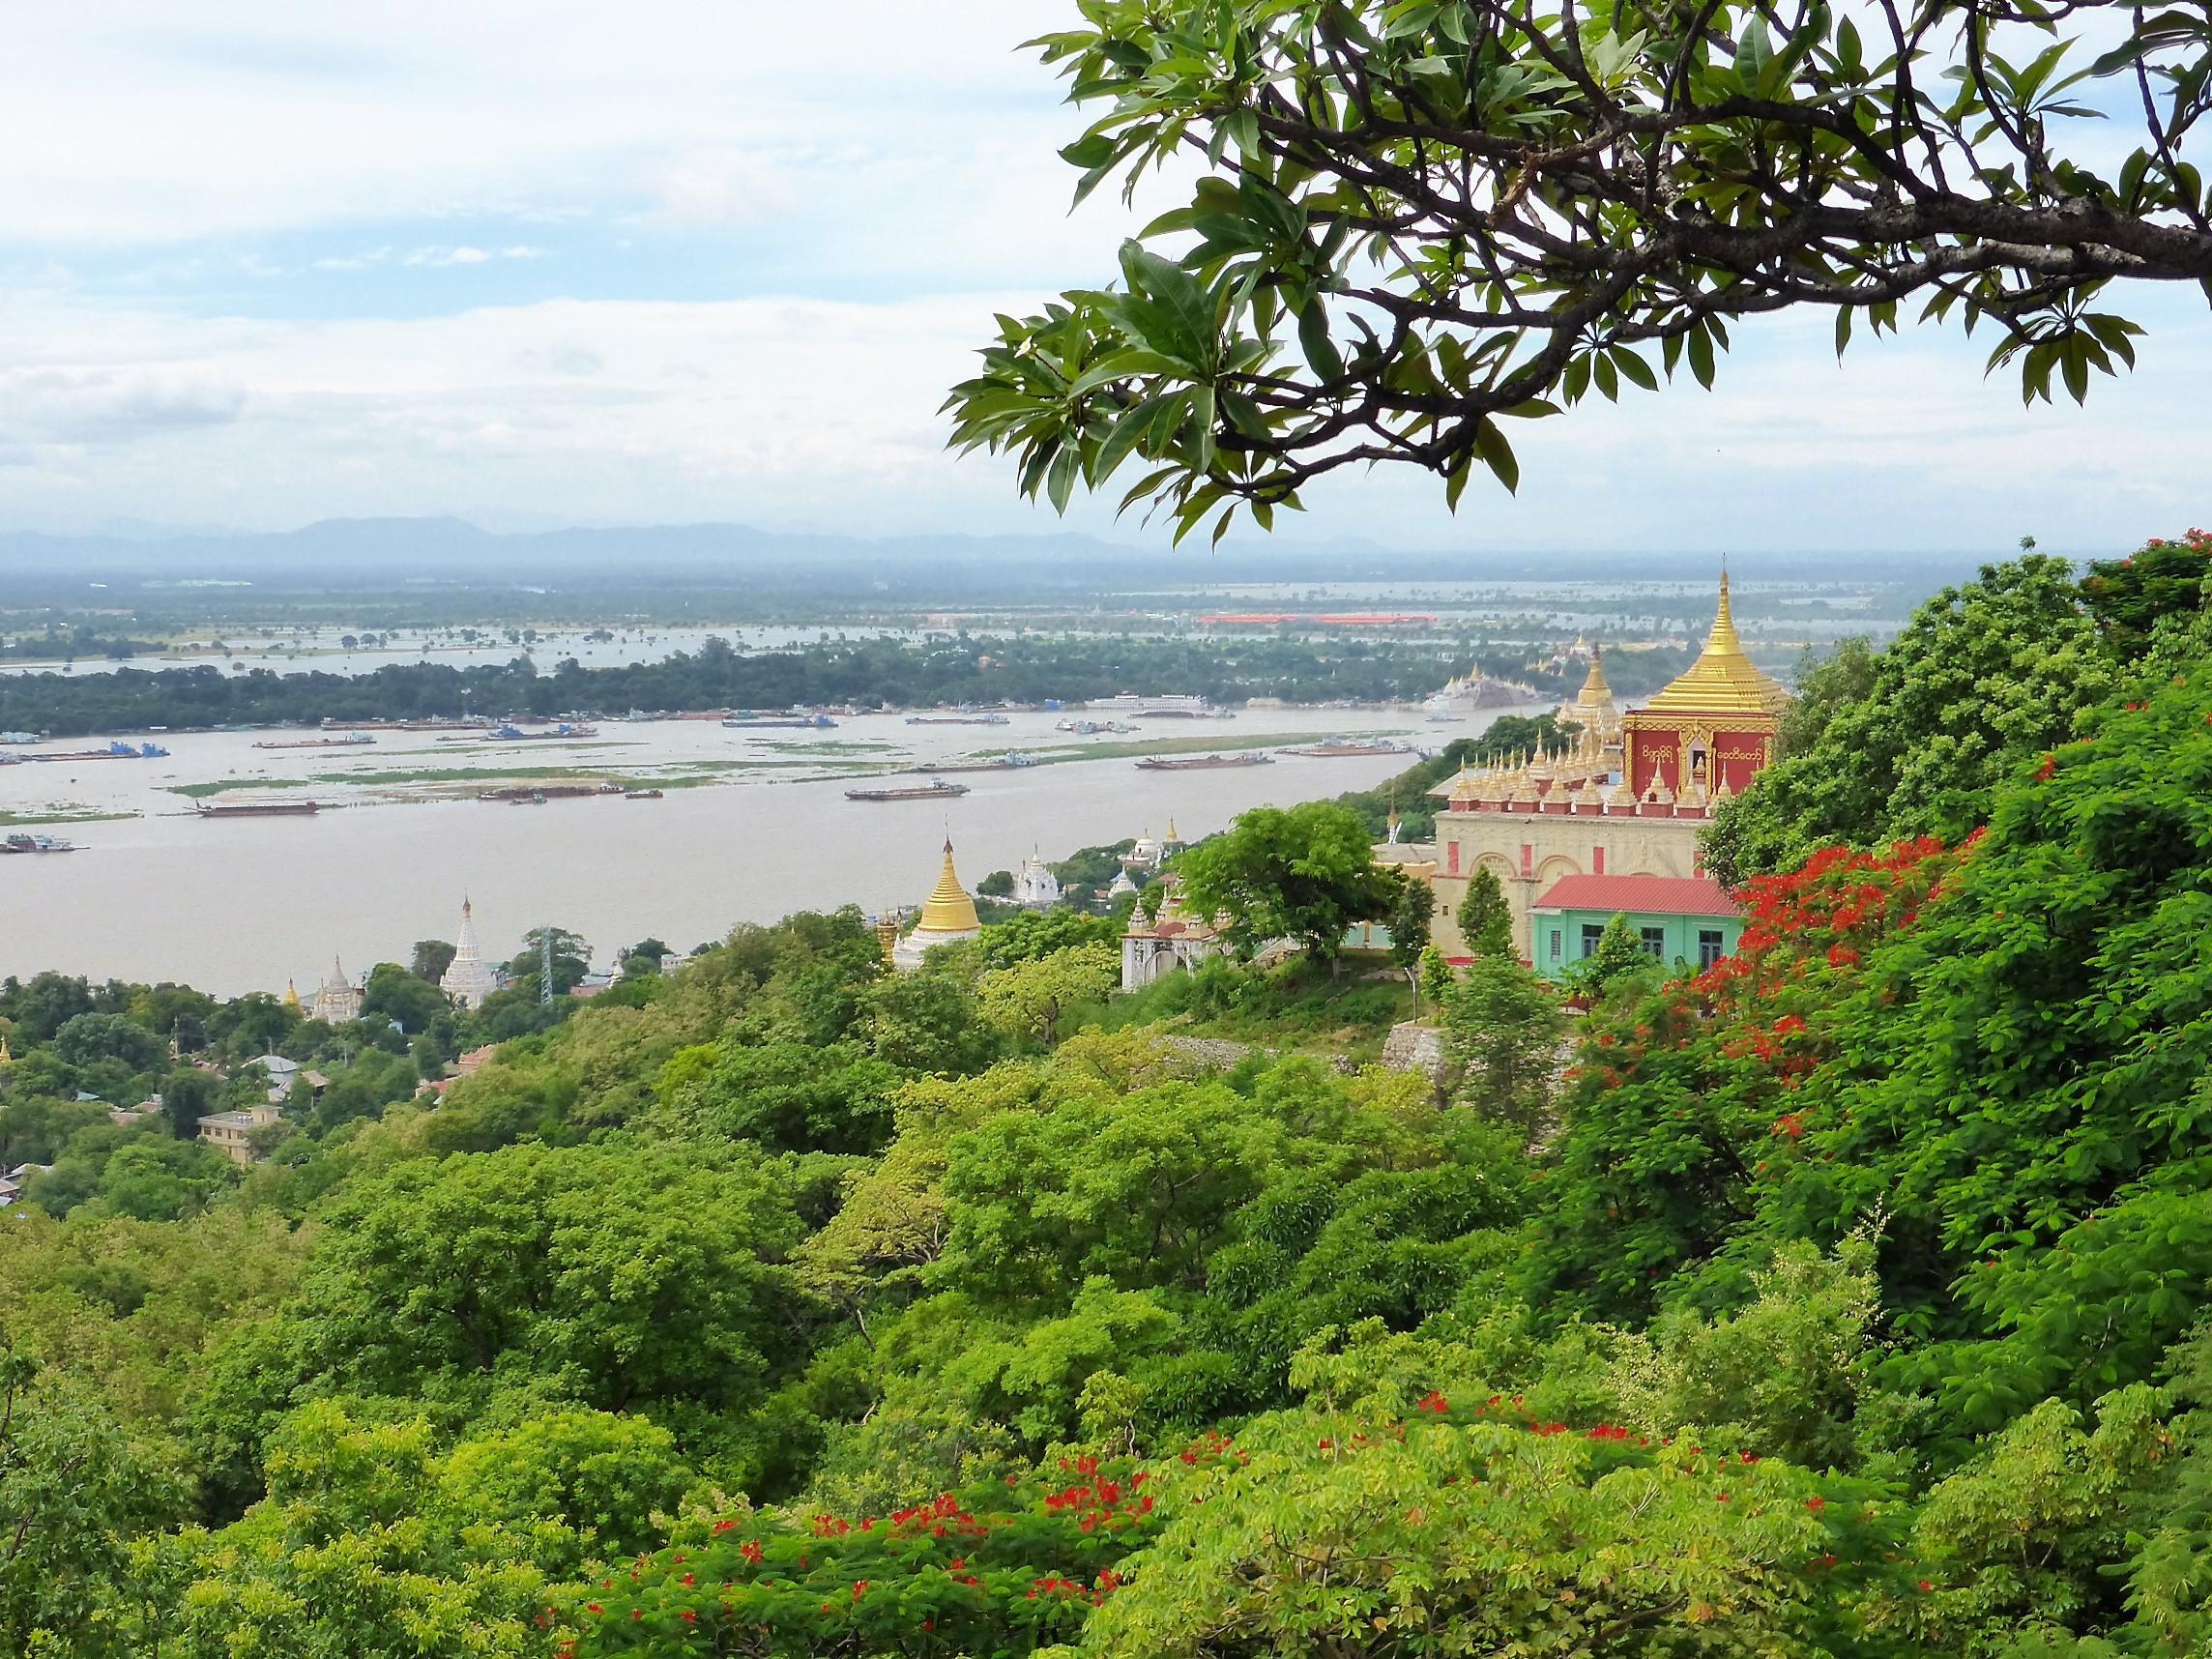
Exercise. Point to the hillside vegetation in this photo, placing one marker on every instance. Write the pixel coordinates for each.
(1845, 1300)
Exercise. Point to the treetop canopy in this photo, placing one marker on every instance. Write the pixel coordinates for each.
(1424, 219)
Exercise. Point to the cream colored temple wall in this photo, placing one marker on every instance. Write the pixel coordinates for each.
(1555, 845)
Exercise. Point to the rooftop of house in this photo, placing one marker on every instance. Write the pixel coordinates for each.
(1640, 895)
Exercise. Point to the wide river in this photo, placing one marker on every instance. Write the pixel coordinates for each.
(244, 904)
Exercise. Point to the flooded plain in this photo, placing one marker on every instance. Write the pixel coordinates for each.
(749, 825)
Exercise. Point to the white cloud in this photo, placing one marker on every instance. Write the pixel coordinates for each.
(460, 255)
(897, 165)
(801, 412)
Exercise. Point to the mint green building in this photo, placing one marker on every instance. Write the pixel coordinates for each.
(1688, 919)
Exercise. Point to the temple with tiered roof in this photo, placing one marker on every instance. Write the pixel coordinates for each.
(1627, 797)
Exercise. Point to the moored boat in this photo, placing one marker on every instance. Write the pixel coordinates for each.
(38, 844)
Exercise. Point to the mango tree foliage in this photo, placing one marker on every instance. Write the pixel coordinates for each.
(1027, 999)
(621, 1274)
(1305, 873)
(351, 1551)
(1418, 221)
(73, 1488)
(785, 1096)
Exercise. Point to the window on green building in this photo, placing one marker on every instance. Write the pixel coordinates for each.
(1592, 934)
(1555, 945)
(1654, 941)
(1709, 946)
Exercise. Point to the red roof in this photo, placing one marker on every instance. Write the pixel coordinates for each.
(1649, 895)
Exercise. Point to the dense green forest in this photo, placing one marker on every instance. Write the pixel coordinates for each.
(1019, 669)
(1845, 1300)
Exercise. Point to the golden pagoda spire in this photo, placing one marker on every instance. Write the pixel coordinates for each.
(948, 909)
(1723, 681)
(292, 996)
(5, 1059)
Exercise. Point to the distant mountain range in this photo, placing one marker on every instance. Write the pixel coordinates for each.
(345, 551)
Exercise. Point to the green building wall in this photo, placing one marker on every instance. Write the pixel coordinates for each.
(1679, 937)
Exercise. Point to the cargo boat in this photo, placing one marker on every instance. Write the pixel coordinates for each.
(1342, 748)
(258, 809)
(780, 723)
(956, 720)
(357, 740)
(1014, 760)
(936, 789)
(113, 751)
(1202, 763)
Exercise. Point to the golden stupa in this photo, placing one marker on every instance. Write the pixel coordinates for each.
(1723, 681)
(947, 917)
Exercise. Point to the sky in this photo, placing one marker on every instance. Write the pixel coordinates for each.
(675, 261)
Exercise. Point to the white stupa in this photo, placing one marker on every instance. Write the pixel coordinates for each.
(337, 998)
(468, 979)
(1035, 883)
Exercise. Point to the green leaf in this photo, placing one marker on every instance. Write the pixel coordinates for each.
(1634, 367)
(1321, 354)
(1702, 357)
(1497, 454)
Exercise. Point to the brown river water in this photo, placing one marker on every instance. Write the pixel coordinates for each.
(244, 904)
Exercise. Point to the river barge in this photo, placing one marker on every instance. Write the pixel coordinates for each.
(779, 723)
(936, 789)
(258, 808)
(113, 751)
(1202, 763)
(1351, 748)
(1014, 760)
(357, 740)
(956, 720)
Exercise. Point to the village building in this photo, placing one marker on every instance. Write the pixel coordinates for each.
(231, 1133)
(1629, 797)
